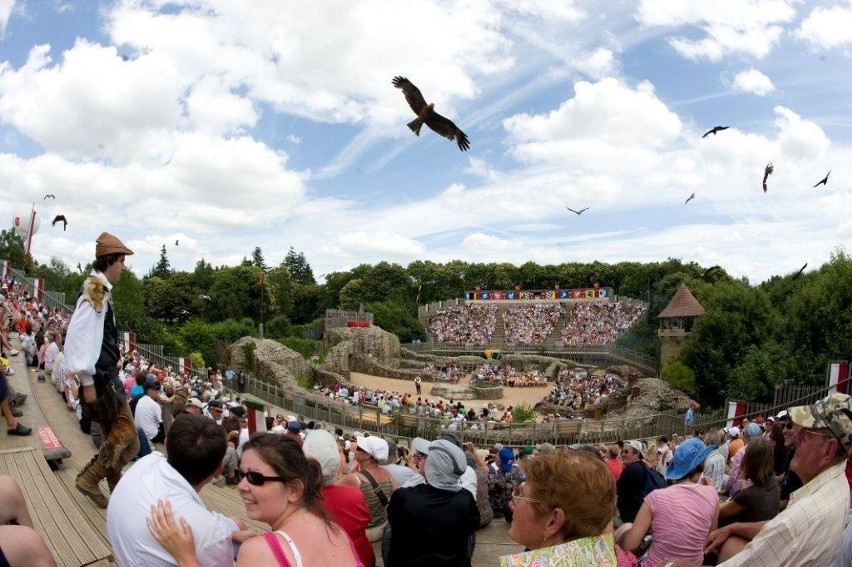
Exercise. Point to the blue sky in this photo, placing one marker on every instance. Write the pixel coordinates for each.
(228, 125)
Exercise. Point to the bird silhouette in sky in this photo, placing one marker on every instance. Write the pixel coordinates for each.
(714, 129)
(767, 171)
(62, 219)
(49, 196)
(691, 197)
(578, 213)
(824, 180)
(426, 115)
(801, 271)
(177, 242)
(79, 267)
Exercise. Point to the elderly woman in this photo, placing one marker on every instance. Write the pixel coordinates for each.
(432, 524)
(375, 483)
(567, 496)
(280, 487)
(345, 504)
(680, 516)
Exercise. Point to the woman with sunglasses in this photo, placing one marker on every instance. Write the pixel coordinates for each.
(567, 496)
(281, 487)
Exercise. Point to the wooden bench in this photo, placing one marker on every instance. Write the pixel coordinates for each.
(51, 447)
(67, 528)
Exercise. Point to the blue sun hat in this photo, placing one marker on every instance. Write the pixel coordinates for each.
(687, 457)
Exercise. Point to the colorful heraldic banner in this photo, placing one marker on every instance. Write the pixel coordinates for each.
(589, 292)
(598, 551)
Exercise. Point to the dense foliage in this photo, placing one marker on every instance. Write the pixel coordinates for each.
(752, 339)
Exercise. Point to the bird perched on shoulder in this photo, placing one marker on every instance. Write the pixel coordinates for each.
(767, 171)
(426, 115)
(714, 129)
(824, 180)
(691, 197)
(60, 218)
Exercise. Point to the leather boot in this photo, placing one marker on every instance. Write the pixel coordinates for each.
(112, 480)
(88, 479)
(121, 445)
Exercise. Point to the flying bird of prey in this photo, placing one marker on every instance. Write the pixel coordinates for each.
(49, 196)
(578, 213)
(801, 271)
(79, 267)
(767, 171)
(426, 115)
(714, 129)
(62, 219)
(177, 242)
(691, 197)
(207, 297)
(824, 180)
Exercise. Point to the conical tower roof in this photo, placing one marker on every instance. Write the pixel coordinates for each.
(683, 304)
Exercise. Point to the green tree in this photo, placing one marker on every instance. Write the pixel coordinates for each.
(235, 294)
(300, 270)
(680, 377)
(393, 318)
(203, 276)
(352, 295)
(257, 259)
(281, 286)
(12, 249)
(162, 269)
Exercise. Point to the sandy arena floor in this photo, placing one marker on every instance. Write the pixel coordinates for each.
(511, 396)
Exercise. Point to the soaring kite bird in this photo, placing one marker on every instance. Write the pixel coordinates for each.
(767, 171)
(62, 219)
(578, 213)
(691, 197)
(49, 196)
(714, 129)
(426, 115)
(824, 180)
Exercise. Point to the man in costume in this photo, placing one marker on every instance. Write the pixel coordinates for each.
(91, 353)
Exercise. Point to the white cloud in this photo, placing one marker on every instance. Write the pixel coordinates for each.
(827, 27)
(380, 243)
(6, 7)
(730, 27)
(753, 81)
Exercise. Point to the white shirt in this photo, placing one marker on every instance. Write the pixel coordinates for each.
(148, 416)
(152, 478)
(85, 336)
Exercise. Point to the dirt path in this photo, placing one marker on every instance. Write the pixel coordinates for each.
(511, 396)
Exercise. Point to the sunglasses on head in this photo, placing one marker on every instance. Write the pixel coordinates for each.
(256, 479)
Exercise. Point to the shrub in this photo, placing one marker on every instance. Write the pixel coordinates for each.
(305, 347)
(522, 413)
(248, 355)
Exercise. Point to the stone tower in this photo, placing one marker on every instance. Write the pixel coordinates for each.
(676, 322)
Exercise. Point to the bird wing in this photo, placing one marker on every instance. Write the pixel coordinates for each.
(58, 218)
(412, 94)
(580, 212)
(572, 210)
(707, 133)
(446, 128)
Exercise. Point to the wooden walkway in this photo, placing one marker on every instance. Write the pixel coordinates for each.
(65, 526)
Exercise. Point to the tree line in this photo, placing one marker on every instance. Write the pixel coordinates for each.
(752, 339)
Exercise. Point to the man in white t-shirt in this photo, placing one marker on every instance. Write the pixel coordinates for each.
(149, 413)
(196, 447)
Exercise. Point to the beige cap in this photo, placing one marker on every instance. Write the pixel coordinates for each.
(108, 244)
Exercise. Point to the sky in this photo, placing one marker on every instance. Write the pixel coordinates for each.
(213, 127)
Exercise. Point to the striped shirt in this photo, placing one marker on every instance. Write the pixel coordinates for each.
(681, 521)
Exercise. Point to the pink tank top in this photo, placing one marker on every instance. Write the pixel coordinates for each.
(281, 557)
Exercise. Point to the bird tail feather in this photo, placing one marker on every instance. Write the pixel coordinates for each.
(415, 126)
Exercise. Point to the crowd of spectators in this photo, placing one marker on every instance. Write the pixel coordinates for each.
(531, 325)
(464, 324)
(576, 388)
(507, 375)
(599, 323)
(444, 372)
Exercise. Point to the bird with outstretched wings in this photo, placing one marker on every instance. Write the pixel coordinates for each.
(426, 115)
(714, 129)
(578, 213)
(49, 196)
(767, 171)
(62, 219)
(824, 180)
(688, 199)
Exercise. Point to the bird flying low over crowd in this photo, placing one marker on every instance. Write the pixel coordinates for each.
(578, 213)
(426, 115)
(824, 180)
(62, 219)
(49, 196)
(714, 129)
(688, 199)
(767, 171)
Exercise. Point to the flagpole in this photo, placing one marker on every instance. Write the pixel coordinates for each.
(30, 229)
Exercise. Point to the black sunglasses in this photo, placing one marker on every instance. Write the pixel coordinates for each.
(257, 479)
(788, 425)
